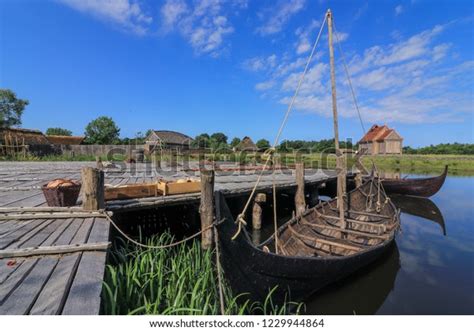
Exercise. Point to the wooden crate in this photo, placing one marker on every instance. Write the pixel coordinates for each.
(172, 187)
(131, 191)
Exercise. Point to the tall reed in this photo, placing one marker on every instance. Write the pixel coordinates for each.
(179, 280)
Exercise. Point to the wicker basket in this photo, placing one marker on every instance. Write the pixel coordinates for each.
(65, 196)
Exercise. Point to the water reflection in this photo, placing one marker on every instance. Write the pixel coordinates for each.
(362, 293)
(421, 207)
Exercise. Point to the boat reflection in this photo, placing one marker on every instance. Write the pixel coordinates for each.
(420, 207)
(363, 293)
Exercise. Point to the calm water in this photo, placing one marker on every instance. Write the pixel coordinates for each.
(430, 270)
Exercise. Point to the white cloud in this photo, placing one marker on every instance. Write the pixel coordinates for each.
(398, 10)
(305, 36)
(414, 80)
(263, 86)
(172, 11)
(278, 15)
(204, 24)
(126, 14)
(260, 63)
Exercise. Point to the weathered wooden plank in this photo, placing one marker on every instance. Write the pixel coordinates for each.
(18, 234)
(63, 225)
(88, 280)
(50, 250)
(54, 294)
(30, 236)
(70, 232)
(22, 298)
(7, 267)
(84, 295)
(83, 233)
(15, 279)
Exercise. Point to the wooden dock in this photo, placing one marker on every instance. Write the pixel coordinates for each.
(52, 260)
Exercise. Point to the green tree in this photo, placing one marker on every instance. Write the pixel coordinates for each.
(219, 138)
(102, 130)
(11, 108)
(236, 141)
(201, 141)
(263, 144)
(58, 132)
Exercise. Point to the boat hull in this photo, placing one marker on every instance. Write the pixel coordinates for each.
(250, 270)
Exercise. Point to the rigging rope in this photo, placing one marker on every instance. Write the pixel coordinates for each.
(240, 218)
(349, 78)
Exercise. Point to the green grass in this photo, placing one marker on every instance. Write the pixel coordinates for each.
(179, 280)
(407, 163)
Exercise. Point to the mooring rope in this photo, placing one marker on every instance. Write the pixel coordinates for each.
(176, 243)
(241, 217)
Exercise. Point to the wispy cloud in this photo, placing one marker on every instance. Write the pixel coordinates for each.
(203, 23)
(305, 34)
(278, 15)
(260, 63)
(127, 15)
(414, 80)
(398, 10)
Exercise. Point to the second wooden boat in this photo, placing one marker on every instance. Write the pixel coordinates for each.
(422, 187)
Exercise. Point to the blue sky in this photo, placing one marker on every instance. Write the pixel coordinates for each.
(231, 66)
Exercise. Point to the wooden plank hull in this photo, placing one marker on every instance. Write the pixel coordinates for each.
(422, 187)
(253, 270)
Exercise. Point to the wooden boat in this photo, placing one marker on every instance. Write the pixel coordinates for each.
(311, 250)
(420, 207)
(422, 187)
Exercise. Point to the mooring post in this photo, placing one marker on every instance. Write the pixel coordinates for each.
(259, 200)
(157, 159)
(206, 208)
(98, 163)
(358, 178)
(300, 204)
(92, 188)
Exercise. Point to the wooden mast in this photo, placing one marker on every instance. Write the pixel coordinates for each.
(341, 176)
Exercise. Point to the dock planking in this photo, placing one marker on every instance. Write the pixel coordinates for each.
(71, 283)
(52, 283)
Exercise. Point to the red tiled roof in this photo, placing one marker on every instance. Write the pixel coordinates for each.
(372, 134)
(383, 134)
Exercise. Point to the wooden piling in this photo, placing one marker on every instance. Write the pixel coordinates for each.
(260, 199)
(98, 163)
(300, 204)
(92, 188)
(206, 208)
(157, 159)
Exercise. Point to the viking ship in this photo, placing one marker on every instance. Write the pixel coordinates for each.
(421, 187)
(318, 246)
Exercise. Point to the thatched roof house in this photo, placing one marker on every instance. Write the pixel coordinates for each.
(246, 144)
(381, 140)
(19, 136)
(65, 140)
(166, 139)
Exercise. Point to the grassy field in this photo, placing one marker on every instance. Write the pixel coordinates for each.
(462, 165)
(174, 281)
